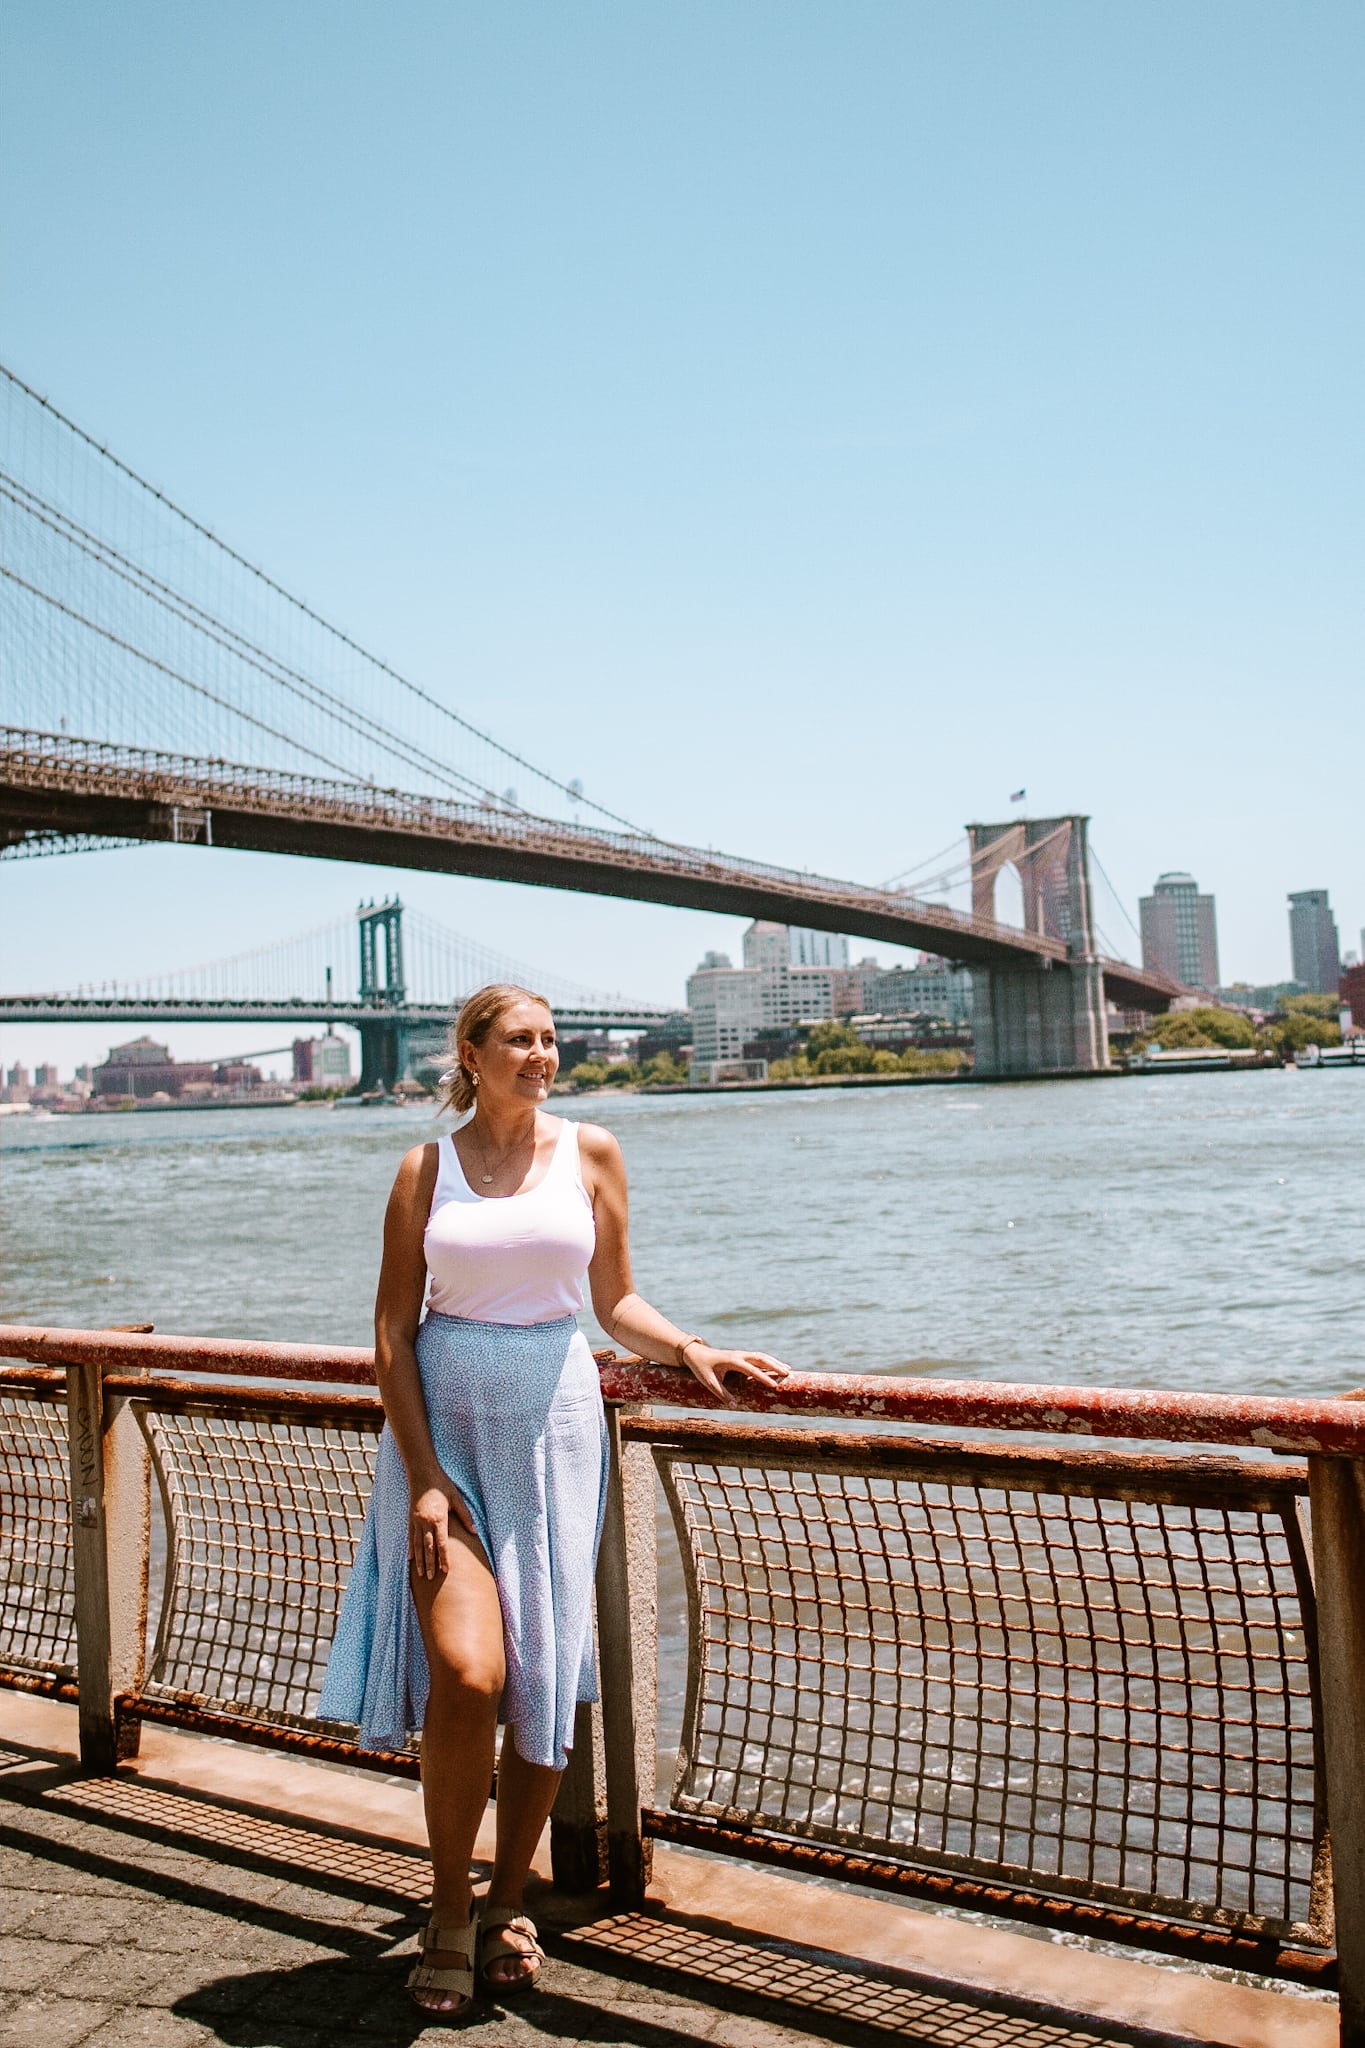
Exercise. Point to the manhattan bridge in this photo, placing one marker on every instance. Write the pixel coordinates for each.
(157, 686)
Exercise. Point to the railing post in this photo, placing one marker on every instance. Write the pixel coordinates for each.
(110, 1538)
(578, 1823)
(627, 1635)
(1337, 1496)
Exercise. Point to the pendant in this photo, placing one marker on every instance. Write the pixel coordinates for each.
(488, 1180)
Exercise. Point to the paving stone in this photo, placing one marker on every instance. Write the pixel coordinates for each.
(741, 2031)
(18, 1904)
(140, 2028)
(88, 1918)
(630, 2019)
(307, 1903)
(24, 1965)
(120, 1974)
(202, 1987)
(50, 2023)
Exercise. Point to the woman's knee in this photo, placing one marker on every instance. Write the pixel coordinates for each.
(467, 1681)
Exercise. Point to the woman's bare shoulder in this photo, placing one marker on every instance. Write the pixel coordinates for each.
(417, 1170)
(598, 1146)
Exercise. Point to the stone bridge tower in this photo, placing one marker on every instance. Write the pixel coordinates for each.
(1048, 1018)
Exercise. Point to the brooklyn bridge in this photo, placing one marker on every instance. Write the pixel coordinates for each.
(158, 686)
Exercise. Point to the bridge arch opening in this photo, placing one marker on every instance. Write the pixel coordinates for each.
(1009, 896)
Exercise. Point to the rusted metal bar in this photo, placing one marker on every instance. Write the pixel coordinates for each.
(1205, 1478)
(1101, 1923)
(183, 1397)
(48, 1382)
(1251, 1421)
(268, 1735)
(119, 1351)
(40, 1682)
(1335, 1427)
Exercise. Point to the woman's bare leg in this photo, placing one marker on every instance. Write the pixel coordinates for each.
(526, 1792)
(461, 1623)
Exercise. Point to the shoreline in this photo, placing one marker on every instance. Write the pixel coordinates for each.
(808, 1084)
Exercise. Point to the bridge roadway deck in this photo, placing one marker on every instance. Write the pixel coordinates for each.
(210, 1894)
(60, 785)
(300, 1010)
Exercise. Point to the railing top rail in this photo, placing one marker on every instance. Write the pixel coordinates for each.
(1248, 1421)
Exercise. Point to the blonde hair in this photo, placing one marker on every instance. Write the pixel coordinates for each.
(477, 1016)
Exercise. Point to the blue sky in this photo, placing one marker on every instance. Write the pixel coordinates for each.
(805, 423)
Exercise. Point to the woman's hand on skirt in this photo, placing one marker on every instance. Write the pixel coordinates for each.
(429, 1524)
(709, 1365)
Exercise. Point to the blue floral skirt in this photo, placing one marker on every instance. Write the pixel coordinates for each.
(517, 1423)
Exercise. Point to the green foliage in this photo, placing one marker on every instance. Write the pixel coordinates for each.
(1314, 1006)
(587, 1074)
(943, 1060)
(623, 1074)
(861, 1059)
(663, 1071)
(1304, 1028)
(833, 1038)
(843, 1059)
(1205, 1026)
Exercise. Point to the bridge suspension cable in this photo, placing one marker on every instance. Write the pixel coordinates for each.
(441, 967)
(110, 584)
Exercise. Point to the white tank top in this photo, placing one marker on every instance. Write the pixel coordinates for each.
(510, 1258)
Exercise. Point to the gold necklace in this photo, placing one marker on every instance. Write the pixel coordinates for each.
(488, 1178)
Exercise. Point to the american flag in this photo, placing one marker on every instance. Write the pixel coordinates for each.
(1017, 796)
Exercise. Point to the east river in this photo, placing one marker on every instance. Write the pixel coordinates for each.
(1188, 1231)
(1174, 1230)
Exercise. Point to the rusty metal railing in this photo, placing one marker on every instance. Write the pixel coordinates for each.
(1106, 1690)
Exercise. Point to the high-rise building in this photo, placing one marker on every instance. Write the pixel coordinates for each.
(1180, 931)
(781, 945)
(817, 949)
(765, 945)
(1313, 941)
(731, 1005)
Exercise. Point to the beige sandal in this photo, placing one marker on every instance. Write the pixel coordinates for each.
(447, 1980)
(497, 1948)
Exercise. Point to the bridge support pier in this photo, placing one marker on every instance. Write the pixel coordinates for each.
(383, 1055)
(1040, 1020)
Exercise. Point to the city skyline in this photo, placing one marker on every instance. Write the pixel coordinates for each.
(72, 1045)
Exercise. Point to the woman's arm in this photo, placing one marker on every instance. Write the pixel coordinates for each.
(626, 1316)
(397, 1312)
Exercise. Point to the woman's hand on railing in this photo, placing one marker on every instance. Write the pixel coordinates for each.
(709, 1365)
(429, 1521)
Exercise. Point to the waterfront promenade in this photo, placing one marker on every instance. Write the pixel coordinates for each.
(212, 1894)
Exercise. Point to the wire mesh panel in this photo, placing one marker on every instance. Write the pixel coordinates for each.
(263, 1514)
(1092, 1675)
(37, 1586)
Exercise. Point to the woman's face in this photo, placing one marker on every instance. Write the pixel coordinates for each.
(518, 1059)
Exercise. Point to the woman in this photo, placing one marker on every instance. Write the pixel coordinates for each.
(490, 1477)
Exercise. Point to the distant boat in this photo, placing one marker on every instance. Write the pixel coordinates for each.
(1352, 1054)
(1196, 1059)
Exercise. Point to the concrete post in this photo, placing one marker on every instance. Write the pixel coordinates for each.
(1337, 1496)
(110, 1541)
(578, 1823)
(627, 1635)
